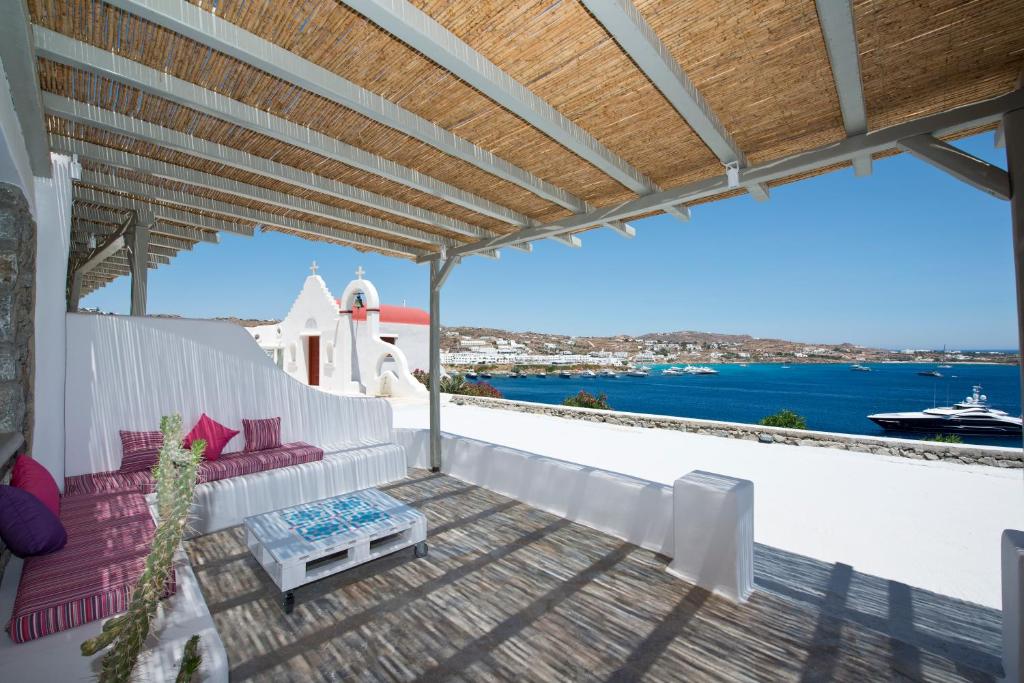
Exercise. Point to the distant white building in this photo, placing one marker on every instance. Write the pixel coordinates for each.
(353, 344)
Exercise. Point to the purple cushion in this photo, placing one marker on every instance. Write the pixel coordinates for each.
(27, 526)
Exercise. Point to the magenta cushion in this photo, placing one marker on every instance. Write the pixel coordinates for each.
(261, 435)
(27, 526)
(213, 433)
(29, 475)
(140, 450)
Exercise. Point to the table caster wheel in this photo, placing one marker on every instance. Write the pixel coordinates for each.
(420, 549)
(289, 602)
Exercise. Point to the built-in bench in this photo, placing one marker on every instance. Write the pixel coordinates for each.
(226, 466)
(92, 577)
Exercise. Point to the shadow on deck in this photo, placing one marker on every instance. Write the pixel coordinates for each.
(509, 592)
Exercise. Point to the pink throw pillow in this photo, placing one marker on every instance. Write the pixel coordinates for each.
(140, 450)
(213, 433)
(28, 475)
(261, 435)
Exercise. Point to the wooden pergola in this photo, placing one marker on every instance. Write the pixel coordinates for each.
(433, 130)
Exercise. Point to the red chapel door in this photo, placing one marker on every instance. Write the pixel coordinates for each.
(313, 361)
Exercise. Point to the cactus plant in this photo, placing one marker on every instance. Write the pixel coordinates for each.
(175, 474)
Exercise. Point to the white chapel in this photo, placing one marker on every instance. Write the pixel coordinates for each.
(352, 344)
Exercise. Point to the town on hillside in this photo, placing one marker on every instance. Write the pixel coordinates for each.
(487, 346)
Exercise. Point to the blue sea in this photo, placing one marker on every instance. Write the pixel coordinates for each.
(832, 398)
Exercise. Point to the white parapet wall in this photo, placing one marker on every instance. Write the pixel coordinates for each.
(635, 510)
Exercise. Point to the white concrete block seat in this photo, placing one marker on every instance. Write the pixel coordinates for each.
(124, 374)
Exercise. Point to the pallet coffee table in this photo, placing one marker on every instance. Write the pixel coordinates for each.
(304, 543)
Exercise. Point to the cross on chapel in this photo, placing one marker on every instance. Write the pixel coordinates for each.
(359, 273)
(313, 268)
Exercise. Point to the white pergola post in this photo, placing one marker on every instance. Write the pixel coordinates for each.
(138, 262)
(1013, 541)
(440, 268)
(75, 295)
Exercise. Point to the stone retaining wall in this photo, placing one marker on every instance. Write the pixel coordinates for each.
(904, 448)
(17, 306)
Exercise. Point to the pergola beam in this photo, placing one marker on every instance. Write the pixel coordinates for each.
(419, 31)
(837, 28)
(207, 29)
(119, 124)
(19, 65)
(680, 211)
(638, 40)
(116, 184)
(959, 164)
(102, 255)
(134, 162)
(873, 142)
(623, 229)
(64, 50)
(156, 213)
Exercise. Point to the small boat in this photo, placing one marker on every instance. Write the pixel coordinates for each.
(785, 366)
(515, 374)
(588, 374)
(971, 416)
(565, 374)
(945, 366)
(471, 375)
(673, 371)
(540, 374)
(930, 373)
(860, 368)
(608, 374)
(637, 372)
(486, 375)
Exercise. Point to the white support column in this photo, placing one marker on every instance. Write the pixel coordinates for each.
(440, 268)
(75, 295)
(713, 516)
(139, 245)
(1013, 540)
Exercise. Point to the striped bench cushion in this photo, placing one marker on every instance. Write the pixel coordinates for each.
(109, 482)
(94, 575)
(226, 466)
(239, 464)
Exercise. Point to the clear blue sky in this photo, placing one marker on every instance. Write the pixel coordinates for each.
(907, 257)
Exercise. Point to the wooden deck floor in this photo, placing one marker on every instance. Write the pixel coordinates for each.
(512, 593)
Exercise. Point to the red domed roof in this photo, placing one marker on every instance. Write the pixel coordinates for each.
(400, 315)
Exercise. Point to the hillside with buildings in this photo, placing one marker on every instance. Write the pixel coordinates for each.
(474, 345)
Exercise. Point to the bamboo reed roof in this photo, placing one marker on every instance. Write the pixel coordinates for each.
(762, 68)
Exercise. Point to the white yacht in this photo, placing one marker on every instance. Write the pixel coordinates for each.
(971, 416)
(608, 374)
(637, 372)
(587, 374)
(699, 370)
(673, 371)
(860, 368)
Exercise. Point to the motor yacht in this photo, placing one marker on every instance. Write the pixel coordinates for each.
(973, 415)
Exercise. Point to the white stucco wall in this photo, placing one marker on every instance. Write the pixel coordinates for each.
(53, 234)
(413, 340)
(126, 372)
(14, 163)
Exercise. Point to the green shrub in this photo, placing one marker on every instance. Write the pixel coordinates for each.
(457, 384)
(947, 438)
(585, 399)
(784, 418)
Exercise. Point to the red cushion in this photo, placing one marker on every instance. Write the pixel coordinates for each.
(261, 435)
(29, 475)
(140, 450)
(94, 575)
(213, 433)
